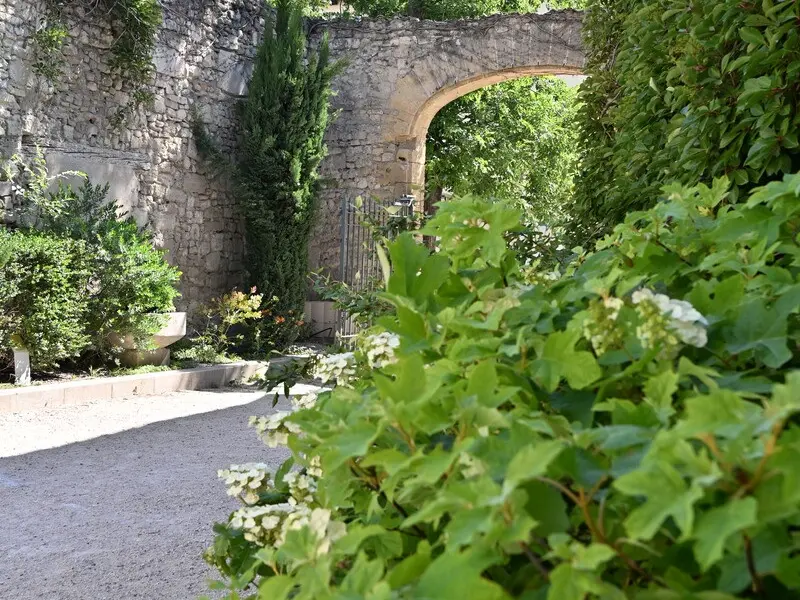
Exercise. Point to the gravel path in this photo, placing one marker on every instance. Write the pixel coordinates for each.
(124, 515)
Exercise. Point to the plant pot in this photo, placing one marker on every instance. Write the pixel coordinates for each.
(157, 352)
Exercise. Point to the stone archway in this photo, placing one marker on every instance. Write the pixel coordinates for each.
(399, 74)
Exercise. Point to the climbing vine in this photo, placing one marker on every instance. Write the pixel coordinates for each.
(48, 42)
(134, 25)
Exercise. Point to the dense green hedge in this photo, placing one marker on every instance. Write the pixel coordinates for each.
(44, 297)
(686, 91)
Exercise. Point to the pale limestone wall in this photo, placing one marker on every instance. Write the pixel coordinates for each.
(400, 72)
(203, 56)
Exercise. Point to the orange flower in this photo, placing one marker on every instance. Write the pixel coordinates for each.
(279, 319)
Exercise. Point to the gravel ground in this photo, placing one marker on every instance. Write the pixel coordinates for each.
(125, 515)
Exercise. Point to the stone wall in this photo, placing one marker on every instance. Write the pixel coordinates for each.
(399, 73)
(202, 57)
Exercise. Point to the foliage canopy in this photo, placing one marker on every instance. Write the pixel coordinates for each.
(514, 141)
(686, 91)
(625, 430)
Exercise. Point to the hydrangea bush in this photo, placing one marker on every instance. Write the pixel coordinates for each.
(626, 430)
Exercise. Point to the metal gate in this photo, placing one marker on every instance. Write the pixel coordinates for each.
(359, 266)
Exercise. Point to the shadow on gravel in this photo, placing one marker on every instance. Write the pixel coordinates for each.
(125, 515)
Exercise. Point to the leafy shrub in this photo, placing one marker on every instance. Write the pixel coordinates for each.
(275, 331)
(80, 214)
(43, 297)
(132, 279)
(626, 430)
(363, 306)
(215, 339)
(30, 182)
(129, 278)
(686, 91)
(239, 322)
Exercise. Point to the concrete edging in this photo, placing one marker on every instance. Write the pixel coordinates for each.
(70, 393)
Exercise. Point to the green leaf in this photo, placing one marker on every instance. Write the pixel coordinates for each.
(456, 576)
(658, 393)
(665, 494)
(547, 507)
(590, 557)
(751, 35)
(410, 568)
(363, 576)
(565, 585)
(785, 399)
(386, 268)
(276, 587)
(570, 583)
(559, 360)
(531, 462)
(354, 441)
(409, 384)
(717, 525)
(356, 535)
(763, 331)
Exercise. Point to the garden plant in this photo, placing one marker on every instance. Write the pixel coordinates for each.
(75, 271)
(627, 429)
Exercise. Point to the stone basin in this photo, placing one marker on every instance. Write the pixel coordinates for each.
(157, 352)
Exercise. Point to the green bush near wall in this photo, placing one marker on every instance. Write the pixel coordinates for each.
(44, 297)
(82, 272)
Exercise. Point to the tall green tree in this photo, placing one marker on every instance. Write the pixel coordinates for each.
(282, 126)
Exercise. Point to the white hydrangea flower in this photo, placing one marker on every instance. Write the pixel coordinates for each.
(260, 524)
(246, 481)
(301, 488)
(379, 349)
(315, 467)
(303, 402)
(683, 319)
(600, 326)
(692, 334)
(274, 430)
(319, 523)
(614, 305)
(339, 368)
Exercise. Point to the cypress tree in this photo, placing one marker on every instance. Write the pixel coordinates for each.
(283, 122)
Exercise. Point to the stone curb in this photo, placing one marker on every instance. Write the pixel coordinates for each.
(70, 393)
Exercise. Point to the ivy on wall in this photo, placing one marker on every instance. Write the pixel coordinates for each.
(134, 24)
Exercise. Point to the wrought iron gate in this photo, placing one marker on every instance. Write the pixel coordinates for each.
(359, 266)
